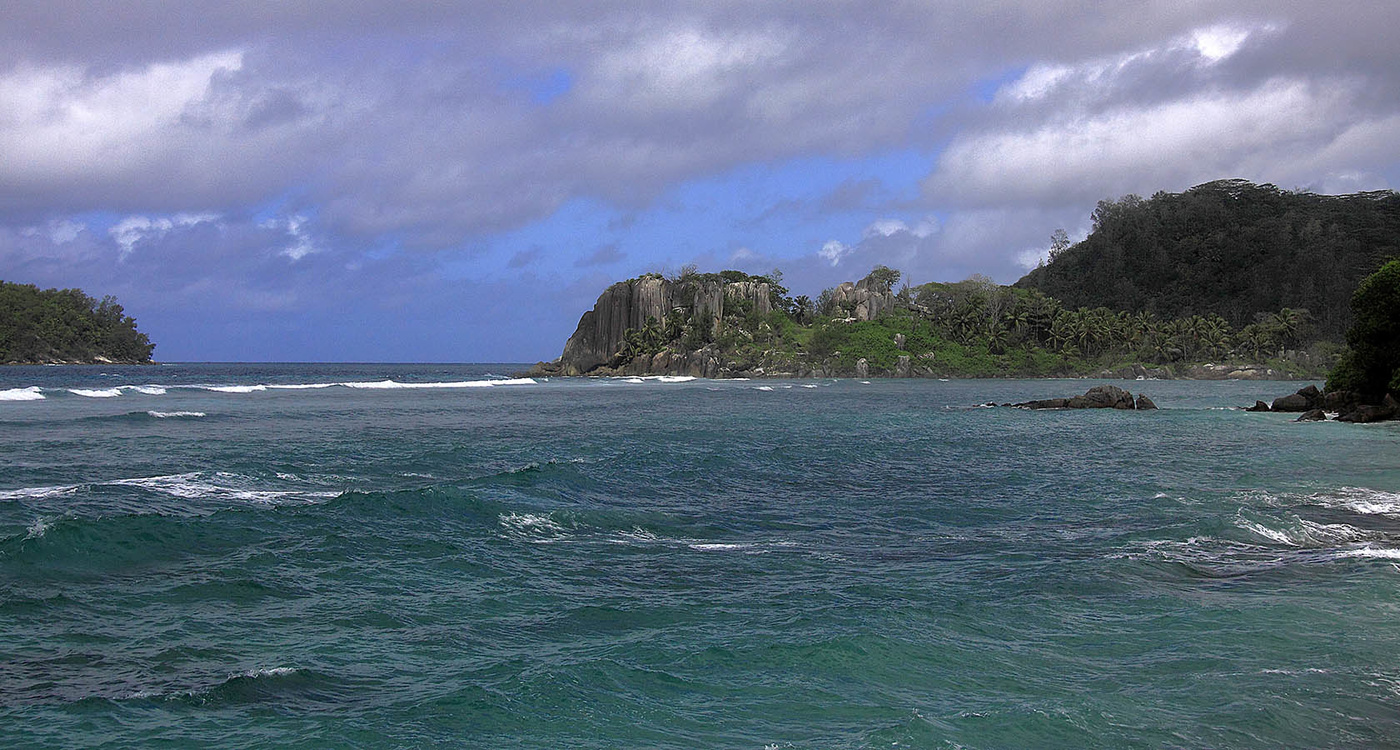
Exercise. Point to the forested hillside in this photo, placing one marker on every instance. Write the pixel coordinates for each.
(1229, 248)
(66, 325)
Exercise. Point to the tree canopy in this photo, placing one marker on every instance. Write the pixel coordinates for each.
(1373, 364)
(1229, 248)
(66, 325)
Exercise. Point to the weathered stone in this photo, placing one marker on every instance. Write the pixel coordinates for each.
(1143, 403)
(1293, 402)
(1387, 409)
(1311, 393)
(1313, 415)
(862, 368)
(1258, 406)
(1098, 397)
(901, 369)
(899, 341)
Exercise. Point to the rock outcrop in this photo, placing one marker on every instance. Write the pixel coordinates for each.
(1098, 397)
(632, 304)
(865, 298)
(1314, 406)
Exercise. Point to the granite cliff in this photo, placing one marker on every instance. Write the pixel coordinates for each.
(696, 304)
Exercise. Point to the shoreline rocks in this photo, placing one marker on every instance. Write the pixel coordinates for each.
(1314, 405)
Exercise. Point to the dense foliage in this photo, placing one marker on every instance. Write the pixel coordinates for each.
(1372, 366)
(66, 325)
(1229, 249)
(975, 328)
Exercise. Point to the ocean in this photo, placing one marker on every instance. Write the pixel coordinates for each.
(404, 556)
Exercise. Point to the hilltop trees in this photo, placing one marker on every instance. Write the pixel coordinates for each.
(66, 325)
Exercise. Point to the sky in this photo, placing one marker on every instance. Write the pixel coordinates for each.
(457, 182)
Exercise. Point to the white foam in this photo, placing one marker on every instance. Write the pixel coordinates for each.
(810, 385)
(1304, 533)
(634, 380)
(96, 392)
(22, 394)
(149, 390)
(533, 526)
(1383, 553)
(395, 385)
(38, 493)
(175, 414)
(234, 388)
(763, 388)
(1361, 500)
(219, 486)
(301, 386)
(36, 530)
(273, 672)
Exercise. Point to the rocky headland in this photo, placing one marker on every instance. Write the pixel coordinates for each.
(1314, 405)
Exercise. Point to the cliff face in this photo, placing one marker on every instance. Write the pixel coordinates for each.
(867, 300)
(629, 304)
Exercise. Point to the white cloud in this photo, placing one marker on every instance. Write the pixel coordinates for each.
(1199, 137)
(887, 227)
(133, 230)
(58, 120)
(833, 251)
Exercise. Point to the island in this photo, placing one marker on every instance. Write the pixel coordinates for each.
(1227, 280)
(66, 326)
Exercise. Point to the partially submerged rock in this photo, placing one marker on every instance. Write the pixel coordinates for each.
(1314, 405)
(1098, 397)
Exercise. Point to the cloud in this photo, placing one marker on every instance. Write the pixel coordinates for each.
(834, 251)
(133, 230)
(603, 256)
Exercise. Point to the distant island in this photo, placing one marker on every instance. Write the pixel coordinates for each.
(66, 326)
(1226, 280)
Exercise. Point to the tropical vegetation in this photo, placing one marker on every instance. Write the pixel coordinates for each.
(66, 325)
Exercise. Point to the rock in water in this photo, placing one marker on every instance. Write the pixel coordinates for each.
(1098, 397)
(1144, 403)
(1293, 402)
(1314, 415)
(1258, 406)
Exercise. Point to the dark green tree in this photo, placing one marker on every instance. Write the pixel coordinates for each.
(1372, 366)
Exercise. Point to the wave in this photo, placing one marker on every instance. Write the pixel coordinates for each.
(1360, 500)
(395, 385)
(1300, 532)
(96, 392)
(218, 485)
(176, 414)
(22, 394)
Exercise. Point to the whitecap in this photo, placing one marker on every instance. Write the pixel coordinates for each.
(273, 672)
(22, 394)
(149, 390)
(763, 388)
(36, 530)
(810, 385)
(535, 527)
(176, 414)
(218, 486)
(395, 385)
(1303, 533)
(633, 380)
(1361, 500)
(301, 386)
(96, 392)
(1369, 551)
(233, 388)
(38, 493)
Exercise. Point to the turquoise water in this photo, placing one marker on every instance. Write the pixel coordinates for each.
(190, 556)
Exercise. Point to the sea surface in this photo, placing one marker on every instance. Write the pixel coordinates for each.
(369, 556)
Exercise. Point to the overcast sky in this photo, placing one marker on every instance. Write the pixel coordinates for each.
(443, 181)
